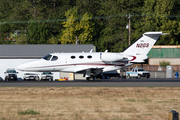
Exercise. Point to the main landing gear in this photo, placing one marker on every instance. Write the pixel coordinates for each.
(91, 78)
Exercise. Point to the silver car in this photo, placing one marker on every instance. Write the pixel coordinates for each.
(47, 76)
(30, 76)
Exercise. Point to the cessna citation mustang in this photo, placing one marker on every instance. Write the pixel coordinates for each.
(93, 63)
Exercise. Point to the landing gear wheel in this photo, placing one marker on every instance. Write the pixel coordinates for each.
(90, 78)
(139, 77)
(37, 78)
(128, 76)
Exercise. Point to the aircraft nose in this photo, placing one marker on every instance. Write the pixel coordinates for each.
(24, 66)
(27, 66)
(21, 67)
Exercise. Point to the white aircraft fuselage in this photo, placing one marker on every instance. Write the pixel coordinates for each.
(93, 63)
(76, 62)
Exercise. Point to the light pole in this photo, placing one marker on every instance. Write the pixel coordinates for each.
(129, 26)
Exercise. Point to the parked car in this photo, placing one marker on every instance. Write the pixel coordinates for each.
(47, 76)
(138, 73)
(10, 74)
(31, 76)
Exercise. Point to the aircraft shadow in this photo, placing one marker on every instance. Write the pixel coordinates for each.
(134, 80)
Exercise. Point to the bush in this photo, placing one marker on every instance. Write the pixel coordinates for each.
(28, 111)
(164, 63)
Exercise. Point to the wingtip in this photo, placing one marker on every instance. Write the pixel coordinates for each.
(165, 33)
(153, 33)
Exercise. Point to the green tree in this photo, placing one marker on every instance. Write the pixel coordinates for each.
(25, 10)
(105, 33)
(22, 39)
(158, 18)
(90, 6)
(114, 35)
(38, 33)
(53, 40)
(4, 33)
(83, 29)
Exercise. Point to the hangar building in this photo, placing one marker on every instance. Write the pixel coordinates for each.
(13, 55)
(170, 53)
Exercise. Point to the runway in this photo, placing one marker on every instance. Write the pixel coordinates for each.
(161, 82)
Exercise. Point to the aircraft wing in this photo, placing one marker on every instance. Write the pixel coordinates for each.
(82, 69)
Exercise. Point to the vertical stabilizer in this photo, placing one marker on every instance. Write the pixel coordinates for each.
(141, 47)
(144, 44)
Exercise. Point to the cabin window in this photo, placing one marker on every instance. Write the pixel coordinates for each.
(81, 57)
(47, 57)
(89, 56)
(54, 58)
(73, 57)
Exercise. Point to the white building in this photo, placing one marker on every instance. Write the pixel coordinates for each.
(13, 55)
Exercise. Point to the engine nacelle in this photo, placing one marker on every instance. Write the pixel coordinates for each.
(111, 57)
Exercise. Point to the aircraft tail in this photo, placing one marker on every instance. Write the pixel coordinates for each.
(141, 47)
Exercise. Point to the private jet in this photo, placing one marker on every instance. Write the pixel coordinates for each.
(90, 64)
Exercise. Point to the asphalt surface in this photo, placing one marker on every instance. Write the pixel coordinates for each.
(143, 82)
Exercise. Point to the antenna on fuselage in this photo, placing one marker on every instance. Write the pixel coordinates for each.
(106, 51)
(91, 50)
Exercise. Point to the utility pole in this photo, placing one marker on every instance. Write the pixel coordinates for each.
(129, 17)
(129, 26)
(77, 41)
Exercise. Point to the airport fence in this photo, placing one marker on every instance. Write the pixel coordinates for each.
(155, 67)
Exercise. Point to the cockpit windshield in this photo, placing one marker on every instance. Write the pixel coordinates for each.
(47, 57)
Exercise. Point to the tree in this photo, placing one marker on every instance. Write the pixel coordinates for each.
(38, 33)
(114, 35)
(90, 6)
(83, 29)
(53, 40)
(22, 39)
(106, 32)
(158, 18)
(4, 33)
